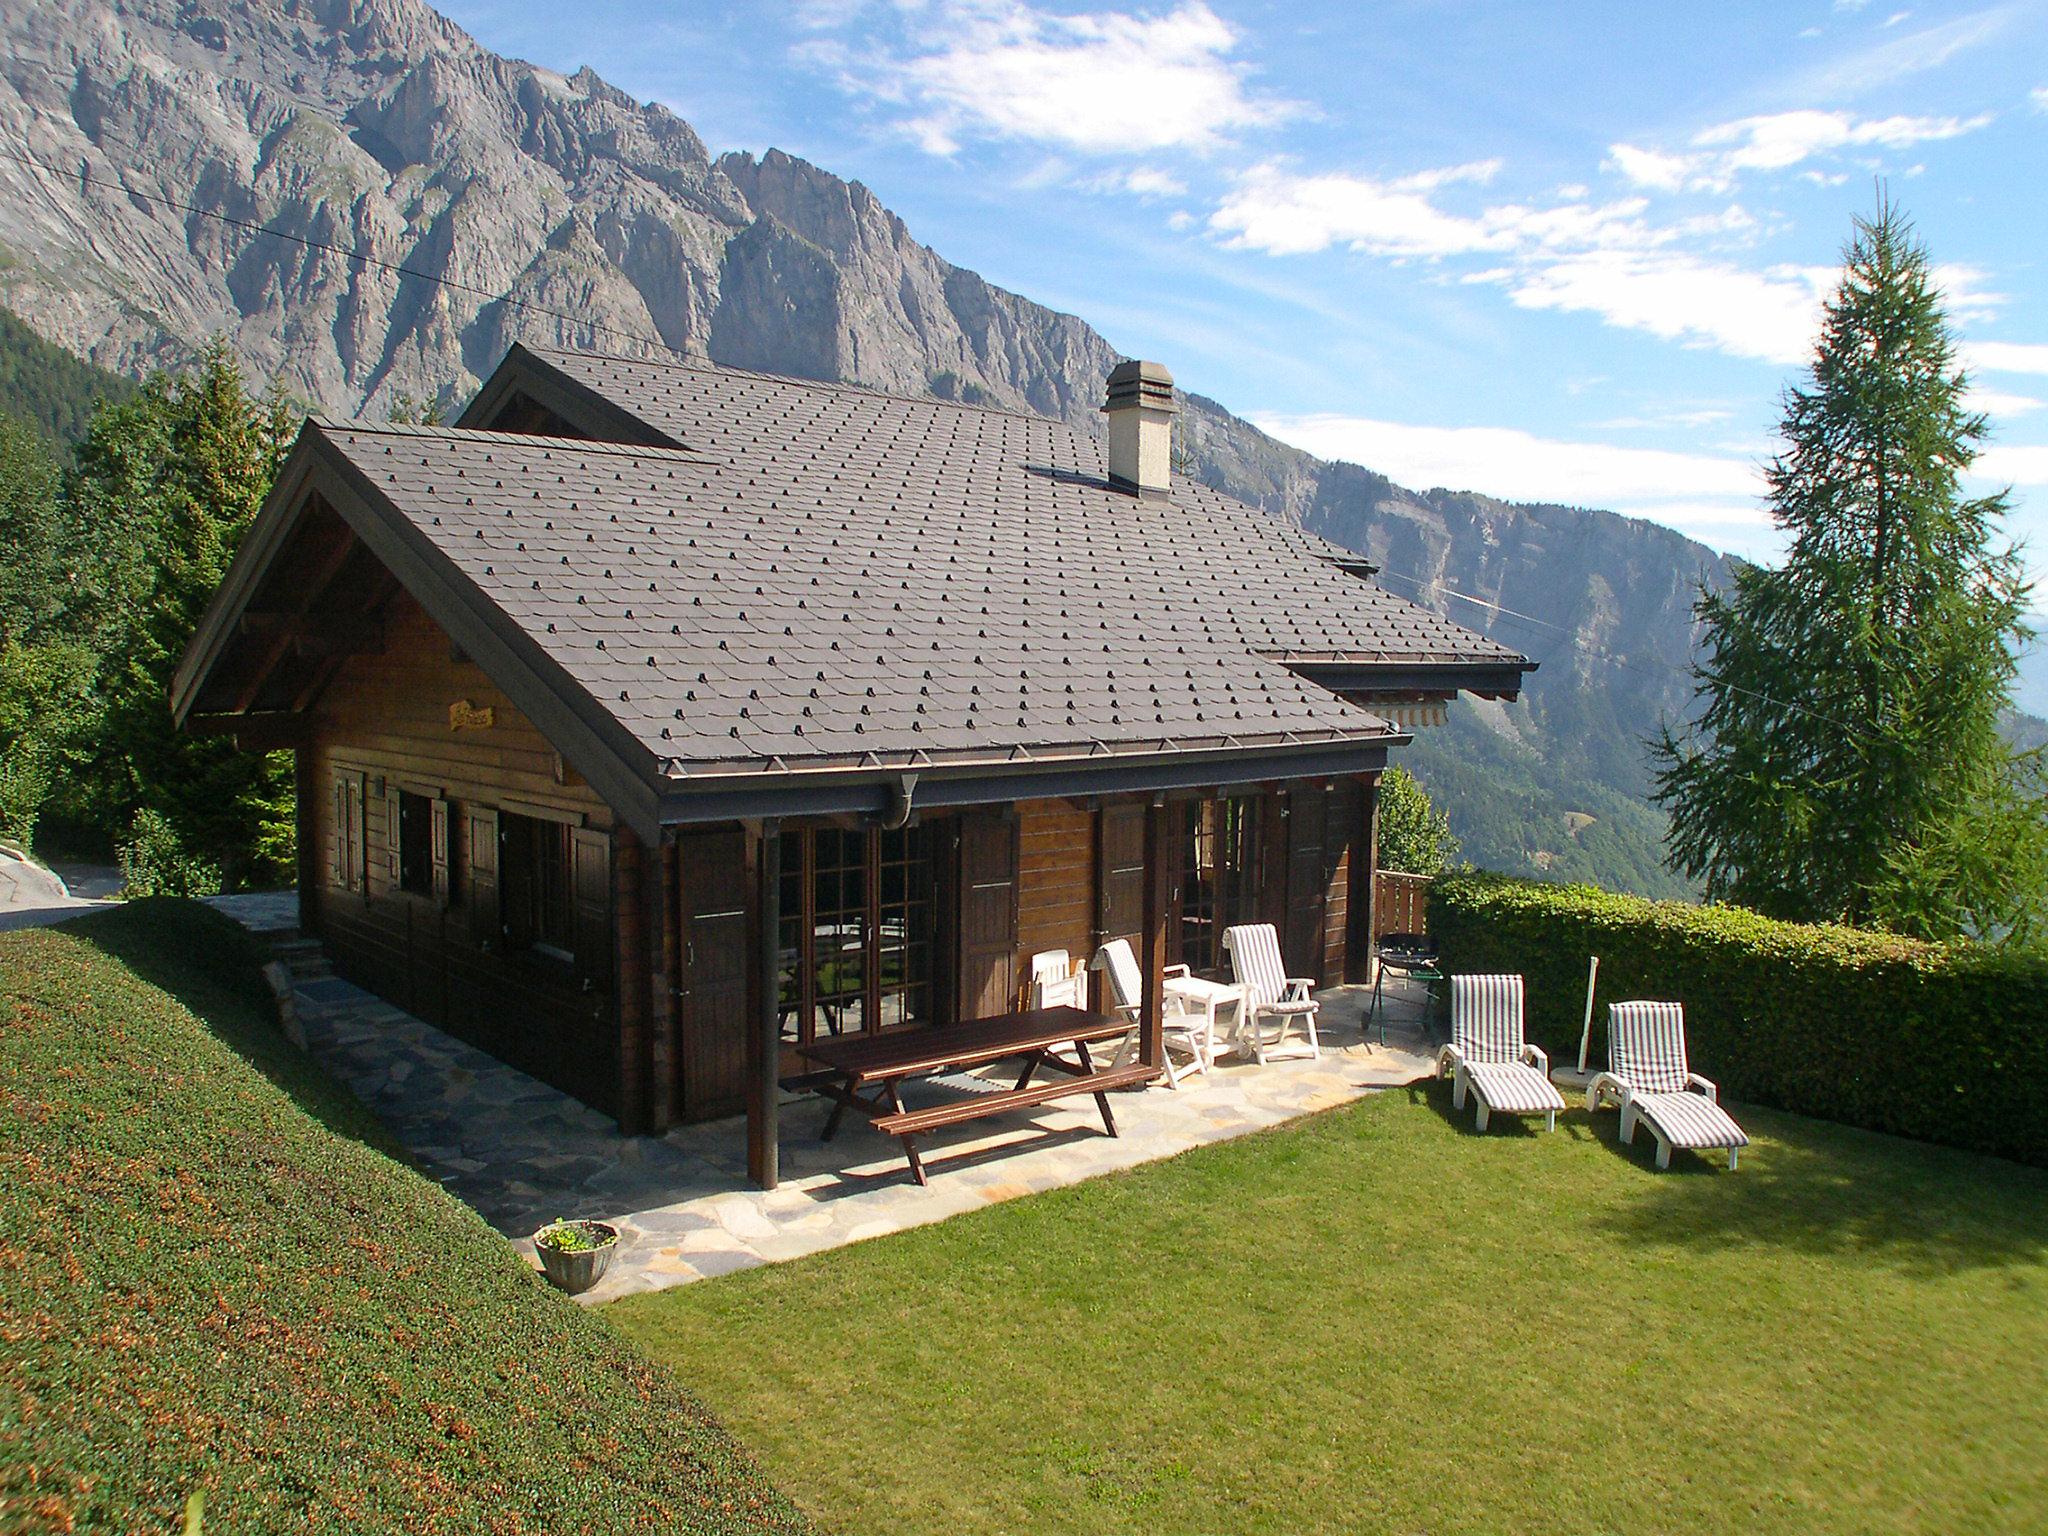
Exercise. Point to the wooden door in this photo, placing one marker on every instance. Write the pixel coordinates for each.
(1308, 881)
(988, 915)
(711, 981)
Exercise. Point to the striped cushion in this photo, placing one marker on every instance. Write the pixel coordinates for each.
(1255, 961)
(1646, 1046)
(1509, 1088)
(1486, 1018)
(1690, 1120)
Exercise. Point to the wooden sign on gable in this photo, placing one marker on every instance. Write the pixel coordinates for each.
(465, 716)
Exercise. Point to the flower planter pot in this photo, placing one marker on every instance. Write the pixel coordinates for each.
(576, 1270)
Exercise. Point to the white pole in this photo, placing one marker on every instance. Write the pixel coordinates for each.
(1586, 1031)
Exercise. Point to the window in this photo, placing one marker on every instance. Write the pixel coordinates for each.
(415, 843)
(1219, 878)
(856, 931)
(539, 909)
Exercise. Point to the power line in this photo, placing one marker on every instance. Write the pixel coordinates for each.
(351, 253)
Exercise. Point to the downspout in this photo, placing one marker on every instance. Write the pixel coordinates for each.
(900, 795)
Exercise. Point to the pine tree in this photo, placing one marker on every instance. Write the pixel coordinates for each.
(1848, 763)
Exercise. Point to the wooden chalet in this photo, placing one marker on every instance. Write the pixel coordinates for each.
(657, 718)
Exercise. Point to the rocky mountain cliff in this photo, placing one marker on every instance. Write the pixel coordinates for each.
(381, 127)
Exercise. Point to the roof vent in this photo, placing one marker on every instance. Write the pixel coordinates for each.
(1140, 408)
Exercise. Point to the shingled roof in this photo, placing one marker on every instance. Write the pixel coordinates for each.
(788, 576)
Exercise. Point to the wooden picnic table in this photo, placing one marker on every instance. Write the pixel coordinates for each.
(869, 1070)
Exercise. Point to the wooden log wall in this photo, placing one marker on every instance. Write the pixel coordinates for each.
(385, 721)
(1055, 885)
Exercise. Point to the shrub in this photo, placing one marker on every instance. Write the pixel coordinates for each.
(1944, 1042)
(154, 861)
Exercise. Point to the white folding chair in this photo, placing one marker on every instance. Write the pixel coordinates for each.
(1055, 983)
(1270, 993)
(1183, 1029)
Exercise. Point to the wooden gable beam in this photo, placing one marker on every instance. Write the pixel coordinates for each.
(324, 673)
(322, 576)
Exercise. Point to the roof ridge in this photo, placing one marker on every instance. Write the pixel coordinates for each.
(439, 433)
(688, 364)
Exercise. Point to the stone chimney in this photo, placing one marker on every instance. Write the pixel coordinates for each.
(1140, 408)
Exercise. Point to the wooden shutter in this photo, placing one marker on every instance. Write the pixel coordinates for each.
(1308, 881)
(485, 922)
(590, 880)
(355, 876)
(394, 834)
(441, 882)
(988, 915)
(712, 982)
(340, 864)
(1120, 874)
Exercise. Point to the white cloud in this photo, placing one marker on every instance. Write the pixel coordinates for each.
(1896, 17)
(1102, 83)
(1146, 183)
(1274, 210)
(1719, 155)
(2039, 97)
(2015, 465)
(1767, 315)
(1998, 402)
(1679, 488)
(2005, 356)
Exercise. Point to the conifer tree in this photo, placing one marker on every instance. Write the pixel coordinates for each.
(1847, 762)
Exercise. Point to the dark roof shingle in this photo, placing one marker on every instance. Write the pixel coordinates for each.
(826, 574)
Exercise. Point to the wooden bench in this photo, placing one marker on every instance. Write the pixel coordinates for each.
(880, 1064)
(975, 1106)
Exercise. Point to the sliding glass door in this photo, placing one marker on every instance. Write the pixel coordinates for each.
(1221, 872)
(855, 947)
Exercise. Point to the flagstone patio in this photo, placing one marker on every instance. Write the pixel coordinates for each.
(522, 1153)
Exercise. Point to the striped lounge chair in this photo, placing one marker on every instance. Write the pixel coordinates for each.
(1489, 1056)
(1648, 1077)
(1270, 993)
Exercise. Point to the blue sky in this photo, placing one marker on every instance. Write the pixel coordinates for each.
(1565, 253)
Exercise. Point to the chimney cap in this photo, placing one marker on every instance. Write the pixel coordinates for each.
(1136, 381)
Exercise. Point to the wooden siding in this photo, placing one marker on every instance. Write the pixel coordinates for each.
(1055, 883)
(384, 722)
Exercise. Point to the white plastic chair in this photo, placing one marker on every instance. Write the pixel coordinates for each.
(1182, 1029)
(1648, 1076)
(1270, 993)
(1490, 1056)
(1055, 983)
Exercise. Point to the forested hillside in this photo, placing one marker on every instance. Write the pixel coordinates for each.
(46, 388)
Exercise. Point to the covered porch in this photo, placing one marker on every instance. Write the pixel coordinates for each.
(522, 1153)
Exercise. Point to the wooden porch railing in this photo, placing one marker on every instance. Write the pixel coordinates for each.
(1400, 903)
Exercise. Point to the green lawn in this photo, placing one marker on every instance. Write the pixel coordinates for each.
(210, 1277)
(1378, 1321)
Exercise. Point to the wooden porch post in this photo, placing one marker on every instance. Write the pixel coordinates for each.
(306, 793)
(1365, 866)
(1159, 878)
(764, 1041)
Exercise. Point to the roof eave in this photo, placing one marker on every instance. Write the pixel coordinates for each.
(873, 790)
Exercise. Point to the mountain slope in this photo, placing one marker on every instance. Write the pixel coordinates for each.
(45, 387)
(379, 126)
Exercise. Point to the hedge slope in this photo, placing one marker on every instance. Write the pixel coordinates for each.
(1944, 1042)
(202, 1284)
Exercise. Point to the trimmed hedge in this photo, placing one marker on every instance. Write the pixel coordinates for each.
(208, 1280)
(1943, 1042)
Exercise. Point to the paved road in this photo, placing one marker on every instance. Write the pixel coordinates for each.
(31, 896)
